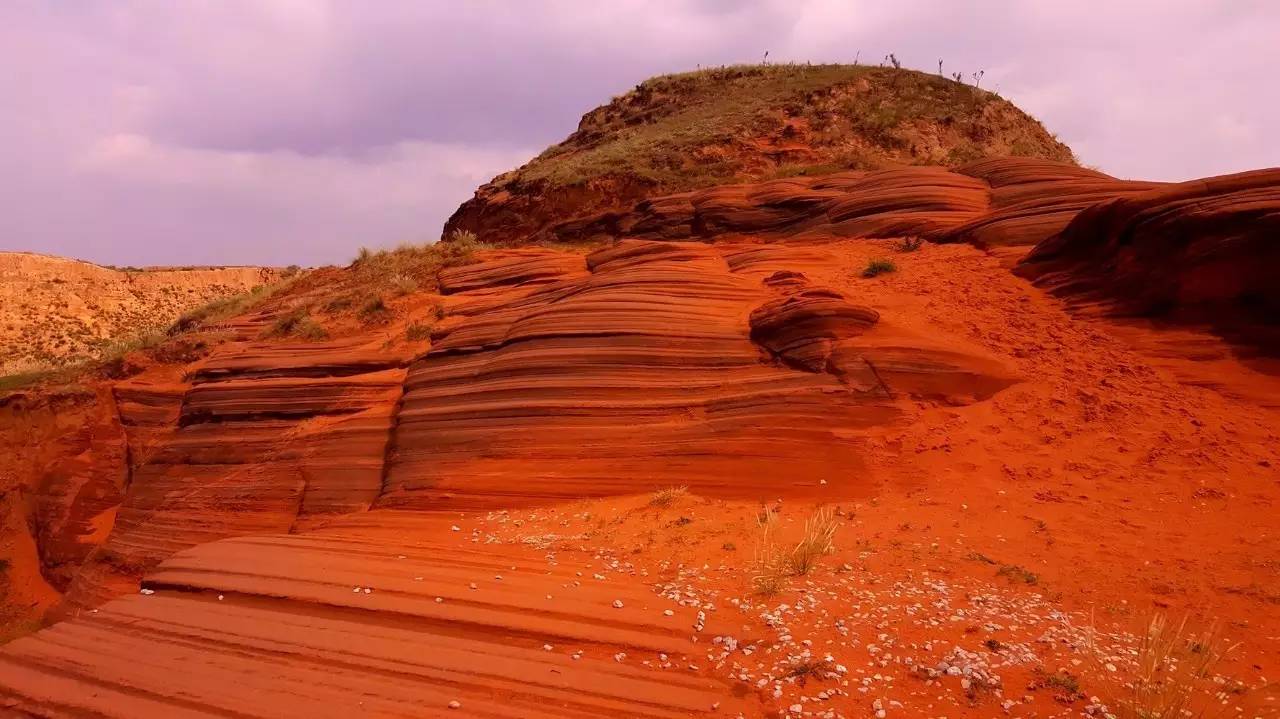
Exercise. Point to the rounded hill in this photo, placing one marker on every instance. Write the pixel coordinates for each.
(749, 123)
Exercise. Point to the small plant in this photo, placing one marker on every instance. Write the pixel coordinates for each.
(374, 309)
(1014, 573)
(338, 304)
(1064, 682)
(818, 541)
(909, 244)
(296, 324)
(977, 77)
(364, 255)
(806, 669)
(418, 332)
(403, 285)
(768, 579)
(666, 497)
(879, 267)
(1173, 675)
(773, 563)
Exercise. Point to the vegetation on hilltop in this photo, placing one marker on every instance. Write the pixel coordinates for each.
(724, 125)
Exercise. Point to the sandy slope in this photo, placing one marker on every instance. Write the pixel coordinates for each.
(55, 310)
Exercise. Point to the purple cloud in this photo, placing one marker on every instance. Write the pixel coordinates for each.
(257, 131)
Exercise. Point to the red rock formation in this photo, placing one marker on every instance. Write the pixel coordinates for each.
(270, 626)
(269, 437)
(1203, 247)
(1034, 199)
(998, 202)
(541, 395)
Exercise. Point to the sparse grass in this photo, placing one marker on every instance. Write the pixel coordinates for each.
(668, 496)
(879, 267)
(1015, 573)
(409, 268)
(403, 285)
(418, 332)
(909, 244)
(774, 562)
(818, 541)
(1173, 676)
(297, 324)
(109, 359)
(225, 308)
(374, 309)
(338, 304)
(18, 380)
(685, 112)
(769, 577)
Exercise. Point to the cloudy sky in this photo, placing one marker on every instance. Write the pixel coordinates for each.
(295, 131)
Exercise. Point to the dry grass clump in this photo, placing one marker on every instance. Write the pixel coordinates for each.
(806, 669)
(418, 332)
(374, 310)
(403, 285)
(667, 496)
(297, 324)
(1015, 573)
(879, 267)
(1173, 675)
(774, 561)
(818, 541)
(909, 244)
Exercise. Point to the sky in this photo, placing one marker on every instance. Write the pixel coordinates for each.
(281, 132)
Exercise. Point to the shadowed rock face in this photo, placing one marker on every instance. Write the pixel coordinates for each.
(1207, 246)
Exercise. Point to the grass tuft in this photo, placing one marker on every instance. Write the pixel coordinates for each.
(909, 244)
(774, 562)
(418, 332)
(297, 324)
(1173, 675)
(879, 267)
(668, 496)
(818, 541)
(1015, 573)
